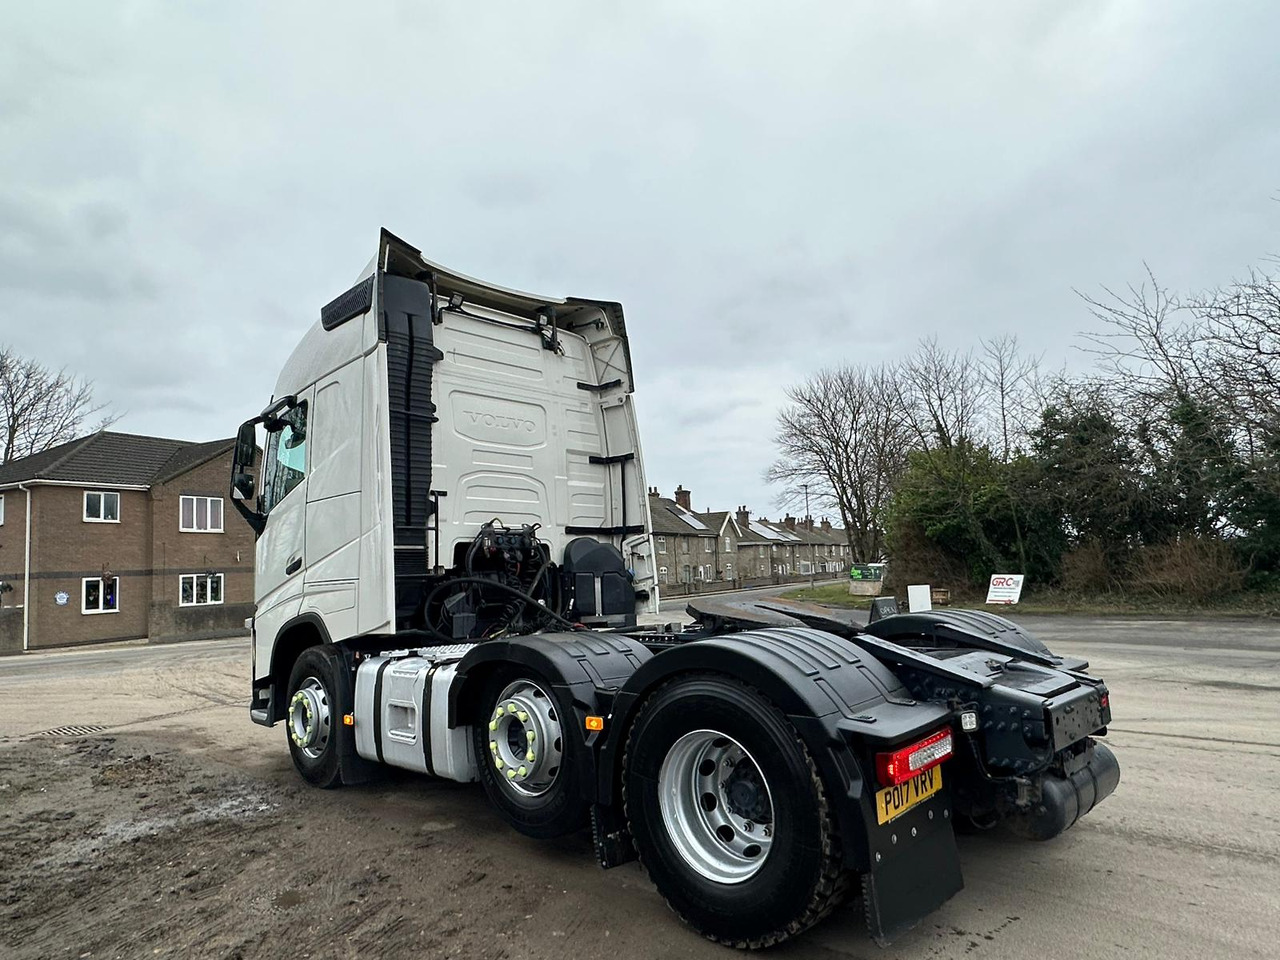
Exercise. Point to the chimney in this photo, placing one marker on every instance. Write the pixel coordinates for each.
(808, 524)
(744, 516)
(826, 525)
(653, 491)
(789, 522)
(683, 497)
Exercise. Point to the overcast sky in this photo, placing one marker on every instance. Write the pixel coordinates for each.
(767, 187)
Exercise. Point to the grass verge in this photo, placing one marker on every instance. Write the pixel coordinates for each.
(1053, 602)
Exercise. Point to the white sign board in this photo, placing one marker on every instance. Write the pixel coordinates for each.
(919, 598)
(1005, 588)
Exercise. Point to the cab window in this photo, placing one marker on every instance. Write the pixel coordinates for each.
(286, 457)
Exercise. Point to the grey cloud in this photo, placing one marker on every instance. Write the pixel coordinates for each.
(767, 188)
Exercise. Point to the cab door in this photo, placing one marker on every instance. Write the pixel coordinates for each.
(279, 554)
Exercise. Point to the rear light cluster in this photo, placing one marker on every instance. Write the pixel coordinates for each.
(904, 763)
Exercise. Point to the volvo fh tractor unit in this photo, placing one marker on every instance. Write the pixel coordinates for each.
(453, 560)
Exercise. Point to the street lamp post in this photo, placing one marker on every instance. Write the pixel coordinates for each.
(808, 519)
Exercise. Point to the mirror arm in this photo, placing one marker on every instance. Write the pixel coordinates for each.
(255, 520)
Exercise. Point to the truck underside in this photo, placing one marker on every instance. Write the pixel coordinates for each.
(453, 547)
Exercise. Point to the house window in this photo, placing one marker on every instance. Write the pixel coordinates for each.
(728, 571)
(708, 546)
(101, 507)
(200, 514)
(662, 546)
(199, 589)
(100, 596)
(727, 545)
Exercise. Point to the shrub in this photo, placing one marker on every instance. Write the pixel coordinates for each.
(1086, 569)
(1191, 568)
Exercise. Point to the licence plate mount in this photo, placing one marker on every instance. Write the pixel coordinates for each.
(893, 802)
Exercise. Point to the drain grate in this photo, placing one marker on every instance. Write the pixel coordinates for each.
(72, 730)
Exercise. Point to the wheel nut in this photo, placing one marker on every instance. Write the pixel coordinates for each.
(530, 756)
(748, 826)
(521, 716)
(529, 736)
(511, 774)
(511, 708)
(493, 725)
(522, 771)
(497, 761)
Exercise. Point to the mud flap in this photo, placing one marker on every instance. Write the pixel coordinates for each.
(915, 874)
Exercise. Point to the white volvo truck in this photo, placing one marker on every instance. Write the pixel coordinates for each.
(453, 544)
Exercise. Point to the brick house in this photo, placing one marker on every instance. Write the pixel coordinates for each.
(728, 545)
(127, 537)
(685, 547)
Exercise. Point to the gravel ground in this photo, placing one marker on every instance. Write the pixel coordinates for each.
(169, 825)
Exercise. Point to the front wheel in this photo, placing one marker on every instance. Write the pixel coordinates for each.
(312, 717)
(729, 814)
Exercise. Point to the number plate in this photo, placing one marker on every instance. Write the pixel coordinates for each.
(893, 802)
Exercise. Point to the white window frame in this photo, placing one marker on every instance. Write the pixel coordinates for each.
(84, 581)
(662, 541)
(222, 514)
(728, 545)
(708, 545)
(102, 504)
(1, 509)
(194, 578)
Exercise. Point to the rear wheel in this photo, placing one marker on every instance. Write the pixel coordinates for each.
(729, 815)
(525, 758)
(311, 717)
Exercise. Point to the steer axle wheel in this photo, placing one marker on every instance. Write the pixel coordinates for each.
(729, 814)
(526, 758)
(311, 717)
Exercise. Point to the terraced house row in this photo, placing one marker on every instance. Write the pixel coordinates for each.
(733, 546)
(115, 536)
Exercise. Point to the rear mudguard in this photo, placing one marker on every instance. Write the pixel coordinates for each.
(845, 705)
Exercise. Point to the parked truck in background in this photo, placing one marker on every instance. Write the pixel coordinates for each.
(453, 546)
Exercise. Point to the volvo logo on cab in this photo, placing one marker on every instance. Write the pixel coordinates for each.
(501, 422)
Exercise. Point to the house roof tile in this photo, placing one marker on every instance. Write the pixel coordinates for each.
(108, 457)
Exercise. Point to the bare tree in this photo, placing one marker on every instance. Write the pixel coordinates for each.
(942, 396)
(1014, 389)
(844, 436)
(1240, 337)
(40, 407)
(1151, 344)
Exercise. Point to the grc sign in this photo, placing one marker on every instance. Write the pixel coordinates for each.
(1005, 588)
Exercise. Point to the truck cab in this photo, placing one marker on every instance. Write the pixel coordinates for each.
(422, 408)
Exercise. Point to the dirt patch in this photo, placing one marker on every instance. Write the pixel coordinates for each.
(120, 847)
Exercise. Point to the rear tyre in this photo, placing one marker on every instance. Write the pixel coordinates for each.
(729, 814)
(312, 717)
(526, 759)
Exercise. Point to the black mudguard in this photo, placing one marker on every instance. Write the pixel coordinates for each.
(845, 705)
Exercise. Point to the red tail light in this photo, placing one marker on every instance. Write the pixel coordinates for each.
(904, 763)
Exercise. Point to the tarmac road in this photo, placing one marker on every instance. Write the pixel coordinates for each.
(180, 829)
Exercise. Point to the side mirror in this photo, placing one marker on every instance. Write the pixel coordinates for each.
(242, 486)
(246, 446)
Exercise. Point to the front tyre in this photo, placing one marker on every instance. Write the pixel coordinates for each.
(526, 759)
(729, 814)
(312, 717)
